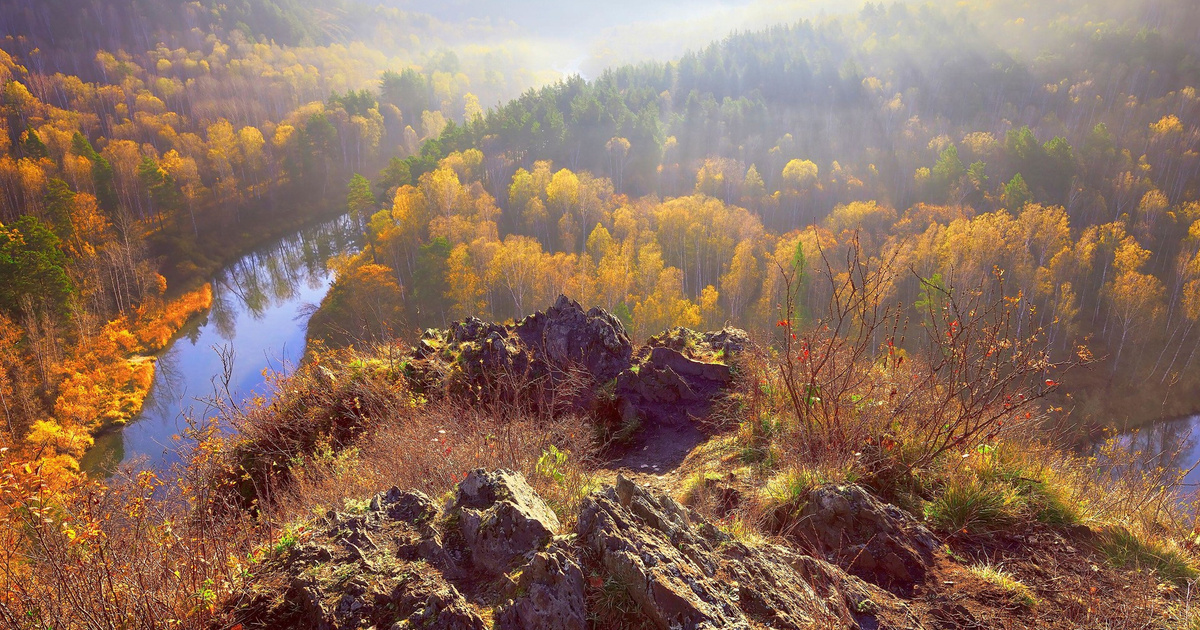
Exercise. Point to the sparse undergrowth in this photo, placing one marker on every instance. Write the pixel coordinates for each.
(1016, 514)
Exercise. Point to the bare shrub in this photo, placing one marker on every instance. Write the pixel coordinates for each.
(856, 382)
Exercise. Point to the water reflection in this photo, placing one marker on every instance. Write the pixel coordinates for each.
(1161, 452)
(259, 317)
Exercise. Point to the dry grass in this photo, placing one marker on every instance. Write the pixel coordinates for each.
(945, 420)
(437, 452)
(149, 553)
(998, 577)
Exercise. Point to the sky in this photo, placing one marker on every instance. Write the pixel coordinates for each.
(586, 37)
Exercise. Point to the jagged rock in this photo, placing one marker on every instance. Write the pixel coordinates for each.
(668, 386)
(443, 611)
(565, 336)
(871, 539)
(411, 507)
(678, 376)
(486, 360)
(387, 567)
(711, 346)
(353, 573)
(689, 575)
(422, 540)
(653, 558)
(501, 519)
(552, 596)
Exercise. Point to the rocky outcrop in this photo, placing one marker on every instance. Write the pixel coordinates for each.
(668, 385)
(677, 376)
(362, 570)
(564, 336)
(701, 346)
(551, 594)
(492, 551)
(684, 573)
(874, 540)
(482, 359)
(501, 520)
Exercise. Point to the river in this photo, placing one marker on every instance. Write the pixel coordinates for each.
(260, 311)
(1168, 446)
(261, 306)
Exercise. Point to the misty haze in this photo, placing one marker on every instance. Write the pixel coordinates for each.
(723, 314)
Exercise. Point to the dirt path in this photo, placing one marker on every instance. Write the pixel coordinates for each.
(660, 447)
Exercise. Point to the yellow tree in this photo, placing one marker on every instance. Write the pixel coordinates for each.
(799, 179)
(710, 308)
(400, 233)
(1135, 300)
(517, 269)
(737, 285)
(464, 288)
(562, 201)
(665, 306)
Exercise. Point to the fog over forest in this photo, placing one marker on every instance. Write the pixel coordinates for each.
(740, 313)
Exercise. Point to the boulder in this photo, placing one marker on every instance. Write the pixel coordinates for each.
(667, 386)
(876, 541)
(501, 519)
(552, 594)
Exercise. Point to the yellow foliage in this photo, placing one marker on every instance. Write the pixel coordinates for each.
(63, 439)
(1166, 126)
(156, 327)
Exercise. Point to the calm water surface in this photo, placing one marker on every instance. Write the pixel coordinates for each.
(261, 305)
(1170, 445)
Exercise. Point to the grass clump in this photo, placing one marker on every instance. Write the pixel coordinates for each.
(791, 488)
(742, 529)
(1040, 491)
(969, 506)
(1016, 589)
(1126, 549)
(696, 485)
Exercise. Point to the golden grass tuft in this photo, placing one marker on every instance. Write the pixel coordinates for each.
(1017, 590)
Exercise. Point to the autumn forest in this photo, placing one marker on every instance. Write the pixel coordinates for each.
(1050, 149)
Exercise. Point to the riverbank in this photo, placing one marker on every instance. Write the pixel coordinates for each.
(198, 260)
(1093, 404)
(253, 326)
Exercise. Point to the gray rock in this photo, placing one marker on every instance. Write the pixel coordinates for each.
(389, 568)
(874, 540)
(493, 361)
(565, 337)
(683, 573)
(552, 595)
(501, 519)
(443, 610)
(667, 387)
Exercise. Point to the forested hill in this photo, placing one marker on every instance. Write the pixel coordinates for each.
(1053, 144)
(143, 143)
(71, 31)
(864, 91)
